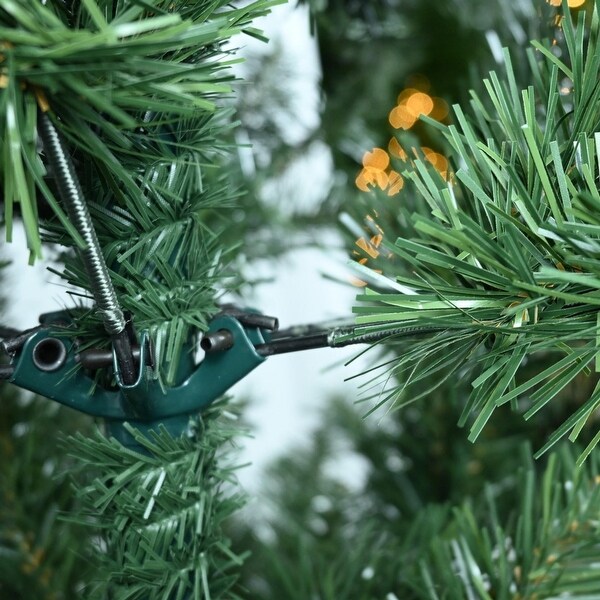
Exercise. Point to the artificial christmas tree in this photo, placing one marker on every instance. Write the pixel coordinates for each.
(115, 113)
(160, 512)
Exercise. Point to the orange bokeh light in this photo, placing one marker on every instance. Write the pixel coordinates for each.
(440, 109)
(396, 183)
(419, 104)
(373, 172)
(396, 150)
(362, 182)
(571, 3)
(369, 176)
(401, 118)
(439, 161)
(413, 103)
(367, 247)
(376, 240)
(406, 93)
(377, 159)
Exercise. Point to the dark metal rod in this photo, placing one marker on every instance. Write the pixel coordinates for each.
(293, 344)
(15, 343)
(312, 328)
(261, 321)
(100, 359)
(6, 371)
(375, 336)
(217, 341)
(250, 319)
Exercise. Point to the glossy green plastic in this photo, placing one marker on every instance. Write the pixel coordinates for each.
(144, 405)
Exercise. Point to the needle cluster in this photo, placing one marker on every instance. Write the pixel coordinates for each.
(500, 260)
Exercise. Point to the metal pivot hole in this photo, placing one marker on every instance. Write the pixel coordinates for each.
(217, 341)
(49, 354)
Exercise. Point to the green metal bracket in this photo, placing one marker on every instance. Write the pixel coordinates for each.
(46, 365)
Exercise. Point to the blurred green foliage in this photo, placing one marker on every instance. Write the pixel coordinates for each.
(42, 554)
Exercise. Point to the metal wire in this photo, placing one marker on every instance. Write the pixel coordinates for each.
(345, 336)
(336, 337)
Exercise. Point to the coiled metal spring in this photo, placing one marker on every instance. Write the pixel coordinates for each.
(101, 285)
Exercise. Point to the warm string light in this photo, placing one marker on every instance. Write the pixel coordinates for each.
(570, 3)
(370, 246)
(412, 103)
(439, 161)
(377, 172)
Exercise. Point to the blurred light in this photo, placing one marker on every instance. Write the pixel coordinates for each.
(440, 109)
(367, 248)
(372, 224)
(396, 150)
(396, 183)
(405, 94)
(412, 103)
(419, 104)
(361, 181)
(401, 118)
(370, 176)
(373, 172)
(377, 159)
(364, 179)
(376, 240)
(571, 3)
(439, 161)
(382, 179)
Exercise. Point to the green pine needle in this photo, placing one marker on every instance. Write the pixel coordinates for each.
(160, 515)
(548, 550)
